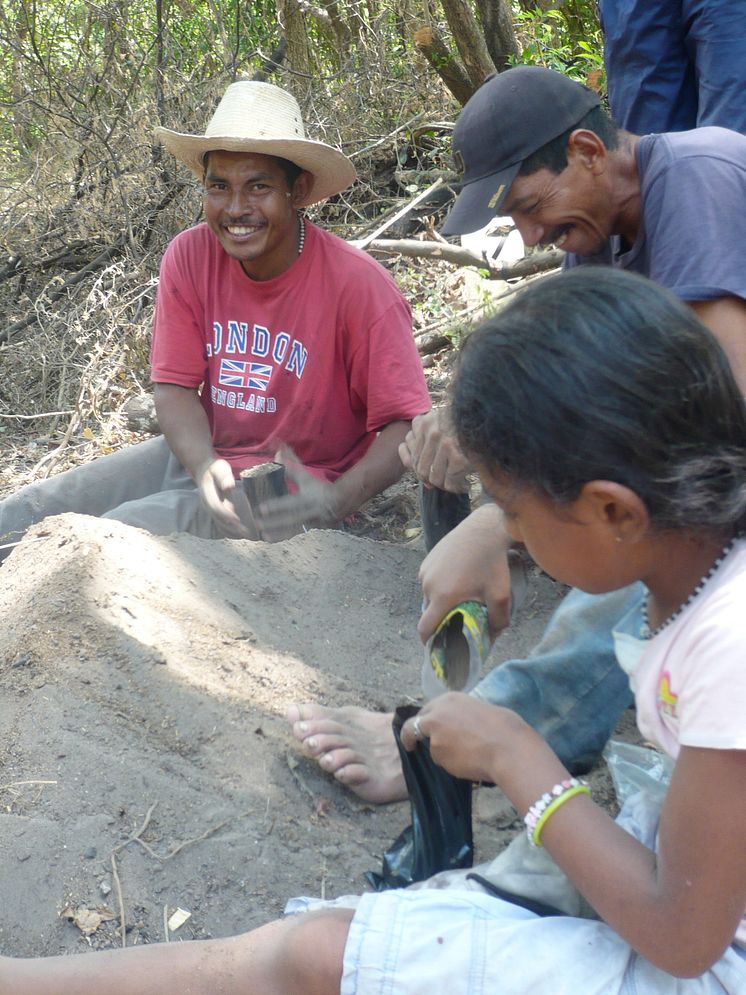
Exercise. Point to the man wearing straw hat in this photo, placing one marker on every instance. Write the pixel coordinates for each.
(269, 334)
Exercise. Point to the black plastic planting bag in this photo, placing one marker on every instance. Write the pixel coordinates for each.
(440, 837)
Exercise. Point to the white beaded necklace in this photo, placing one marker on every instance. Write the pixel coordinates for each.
(301, 234)
(646, 632)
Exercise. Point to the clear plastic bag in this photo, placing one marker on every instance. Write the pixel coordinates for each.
(637, 768)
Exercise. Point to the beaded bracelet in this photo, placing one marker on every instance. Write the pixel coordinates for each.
(540, 812)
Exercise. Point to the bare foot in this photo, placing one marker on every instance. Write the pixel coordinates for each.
(353, 744)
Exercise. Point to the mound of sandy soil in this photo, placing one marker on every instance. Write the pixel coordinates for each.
(146, 766)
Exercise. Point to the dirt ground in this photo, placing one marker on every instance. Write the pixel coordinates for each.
(146, 766)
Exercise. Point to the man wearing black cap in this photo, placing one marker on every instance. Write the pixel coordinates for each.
(536, 145)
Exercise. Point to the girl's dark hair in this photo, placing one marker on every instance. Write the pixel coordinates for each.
(597, 374)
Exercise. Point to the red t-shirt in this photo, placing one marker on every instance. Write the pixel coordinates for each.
(319, 358)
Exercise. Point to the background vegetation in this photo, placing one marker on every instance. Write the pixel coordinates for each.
(87, 202)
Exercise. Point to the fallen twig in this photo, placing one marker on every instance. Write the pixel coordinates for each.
(362, 243)
(138, 832)
(537, 262)
(18, 784)
(42, 414)
(120, 899)
(198, 839)
(386, 138)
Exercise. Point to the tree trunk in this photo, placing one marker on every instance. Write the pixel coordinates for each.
(341, 29)
(293, 22)
(21, 129)
(429, 42)
(497, 27)
(270, 63)
(530, 5)
(158, 76)
(469, 40)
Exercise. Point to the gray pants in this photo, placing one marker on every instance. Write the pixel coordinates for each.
(143, 485)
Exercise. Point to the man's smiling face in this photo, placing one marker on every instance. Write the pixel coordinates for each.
(252, 211)
(571, 209)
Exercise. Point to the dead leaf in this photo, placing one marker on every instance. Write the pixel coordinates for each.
(87, 920)
(594, 80)
(323, 806)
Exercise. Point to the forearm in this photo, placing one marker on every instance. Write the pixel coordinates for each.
(726, 319)
(377, 470)
(679, 907)
(184, 424)
(187, 431)
(470, 563)
(659, 905)
(611, 869)
(485, 527)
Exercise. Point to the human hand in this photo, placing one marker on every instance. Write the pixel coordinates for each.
(313, 505)
(468, 564)
(226, 503)
(468, 737)
(431, 451)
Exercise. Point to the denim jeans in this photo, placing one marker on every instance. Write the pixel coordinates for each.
(672, 65)
(570, 688)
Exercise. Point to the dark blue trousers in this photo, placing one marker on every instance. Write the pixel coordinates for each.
(673, 65)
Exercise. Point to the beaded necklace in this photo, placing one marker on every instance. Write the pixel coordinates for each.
(301, 234)
(646, 632)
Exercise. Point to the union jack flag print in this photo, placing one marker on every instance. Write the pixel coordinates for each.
(239, 373)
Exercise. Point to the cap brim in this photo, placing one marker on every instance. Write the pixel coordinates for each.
(479, 202)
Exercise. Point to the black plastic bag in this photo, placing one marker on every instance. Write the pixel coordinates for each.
(440, 837)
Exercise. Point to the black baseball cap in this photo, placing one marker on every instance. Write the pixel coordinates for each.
(511, 116)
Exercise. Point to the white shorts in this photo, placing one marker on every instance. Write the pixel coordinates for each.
(450, 937)
(467, 943)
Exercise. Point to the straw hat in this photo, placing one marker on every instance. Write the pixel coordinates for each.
(262, 118)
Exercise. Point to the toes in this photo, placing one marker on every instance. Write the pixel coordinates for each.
(335, 761)
(352, 774)
(325, 732)
(293, 714)
(304, 711)
(320, 743)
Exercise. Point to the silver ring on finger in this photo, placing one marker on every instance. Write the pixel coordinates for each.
(416, 729)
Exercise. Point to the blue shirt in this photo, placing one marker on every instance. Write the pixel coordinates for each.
(692, 236)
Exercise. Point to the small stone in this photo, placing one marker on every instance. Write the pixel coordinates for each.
(90, 853)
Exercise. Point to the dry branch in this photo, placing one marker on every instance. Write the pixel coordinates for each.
(469, 40)
(441, 335)
(62, 289)
(363, 243)
(433, 342)
(537, 262)
(406, 176)
(496, 18)
(429, 42)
